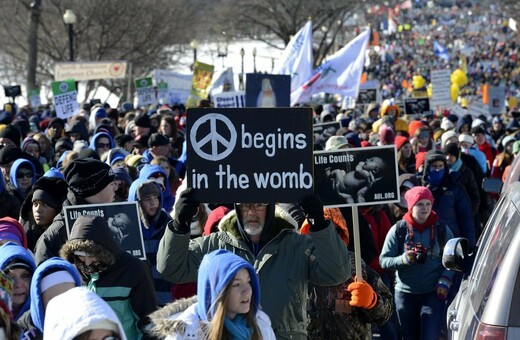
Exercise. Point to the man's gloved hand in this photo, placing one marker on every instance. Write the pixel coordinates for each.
(363, 296)
(185, 208)
(313, 209)
(408, 257)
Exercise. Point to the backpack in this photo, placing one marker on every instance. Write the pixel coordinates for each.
(440, 228)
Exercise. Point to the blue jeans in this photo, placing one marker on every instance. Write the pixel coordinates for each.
(420, 315)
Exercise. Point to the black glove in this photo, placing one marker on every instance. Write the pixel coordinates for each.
(313, 209)
(185, 208)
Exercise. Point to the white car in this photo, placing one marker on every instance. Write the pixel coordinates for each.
(487, 305)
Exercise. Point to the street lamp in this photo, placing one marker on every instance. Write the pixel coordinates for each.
(222, 53)
(69, 18)
(241, 75)
(254, 59)
(194, 44)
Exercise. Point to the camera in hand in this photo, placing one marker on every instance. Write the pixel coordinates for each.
(420, 253)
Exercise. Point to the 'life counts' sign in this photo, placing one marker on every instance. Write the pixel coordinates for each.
(250, 154)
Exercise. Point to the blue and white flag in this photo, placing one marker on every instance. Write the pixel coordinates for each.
(296, 59)
(340, 74)
(440, 51)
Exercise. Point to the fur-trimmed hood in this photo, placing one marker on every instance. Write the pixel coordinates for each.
(164, 321)
(92, 236)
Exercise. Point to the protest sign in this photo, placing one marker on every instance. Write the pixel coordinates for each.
(34, 98)
(268, 90)
(123, 221)
(367, 96)
(90, 70)
(441, 96)
(163, 93)
(497, 100)
(179, 85)
(357, 176)
(416, 106)
(202, 75)
(65, 98)
(322, 132)
(229, 99)
(145, 91)
(241, 155)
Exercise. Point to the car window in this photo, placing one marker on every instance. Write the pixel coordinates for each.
(496, 241)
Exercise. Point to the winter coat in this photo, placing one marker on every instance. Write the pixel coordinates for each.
(13, 186)
(57, 188)
(125, 284)
(51, 241)
(415, 278)
(68, 314)
(152, 233)
(180, 321)
(168, 198)
(330, 320)
(37, 313)
(285, 264)
(9, 205)
(452, 204)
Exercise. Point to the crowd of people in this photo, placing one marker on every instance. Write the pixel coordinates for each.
(258, 270)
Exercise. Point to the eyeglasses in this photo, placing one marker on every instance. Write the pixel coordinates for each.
(24, 174)
(103, 145)
(111, 337)
(255, 206)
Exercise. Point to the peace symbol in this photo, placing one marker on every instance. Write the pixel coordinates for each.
(213, 137)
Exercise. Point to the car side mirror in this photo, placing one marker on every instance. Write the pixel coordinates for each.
(455, 254)
(492, 185)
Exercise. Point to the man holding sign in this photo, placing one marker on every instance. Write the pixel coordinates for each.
(285, 260)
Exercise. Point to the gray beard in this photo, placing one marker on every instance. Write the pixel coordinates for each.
(253, 231)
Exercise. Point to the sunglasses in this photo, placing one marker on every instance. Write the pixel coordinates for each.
(24, 174)
(103, 145)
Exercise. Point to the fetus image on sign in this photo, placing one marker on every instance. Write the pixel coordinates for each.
(119, 226)
(353, 186)
(266, 97)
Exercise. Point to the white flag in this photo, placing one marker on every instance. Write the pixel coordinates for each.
(297, 57)
(340, 74)
(223, 82)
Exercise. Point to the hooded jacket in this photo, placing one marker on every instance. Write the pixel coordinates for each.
(451, 201)
(125, 284)
(80, 128)
(285, 262)
(57, 189)
(153, 231)
(94, 139)
(148, 171)
(9, 205)
(399, 123)
(37, 312)
(10, 252)
(216, 271)
(76, 311)
(13, 185)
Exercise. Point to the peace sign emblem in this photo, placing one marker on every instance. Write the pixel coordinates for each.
(213, 137)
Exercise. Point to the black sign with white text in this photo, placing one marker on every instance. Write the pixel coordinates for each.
(417, 106)
(123, 221)
(357, 176)
(242, 155)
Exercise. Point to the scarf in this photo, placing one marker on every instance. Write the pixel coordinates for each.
(238, 328)
(435, 177)
(432, 219)
(456, 165)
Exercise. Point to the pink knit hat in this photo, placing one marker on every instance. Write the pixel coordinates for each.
(416, 194)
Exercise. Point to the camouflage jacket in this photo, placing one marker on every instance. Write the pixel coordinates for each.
(331, 316)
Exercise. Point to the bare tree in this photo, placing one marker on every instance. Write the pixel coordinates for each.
(264, 20)
(148, 34)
